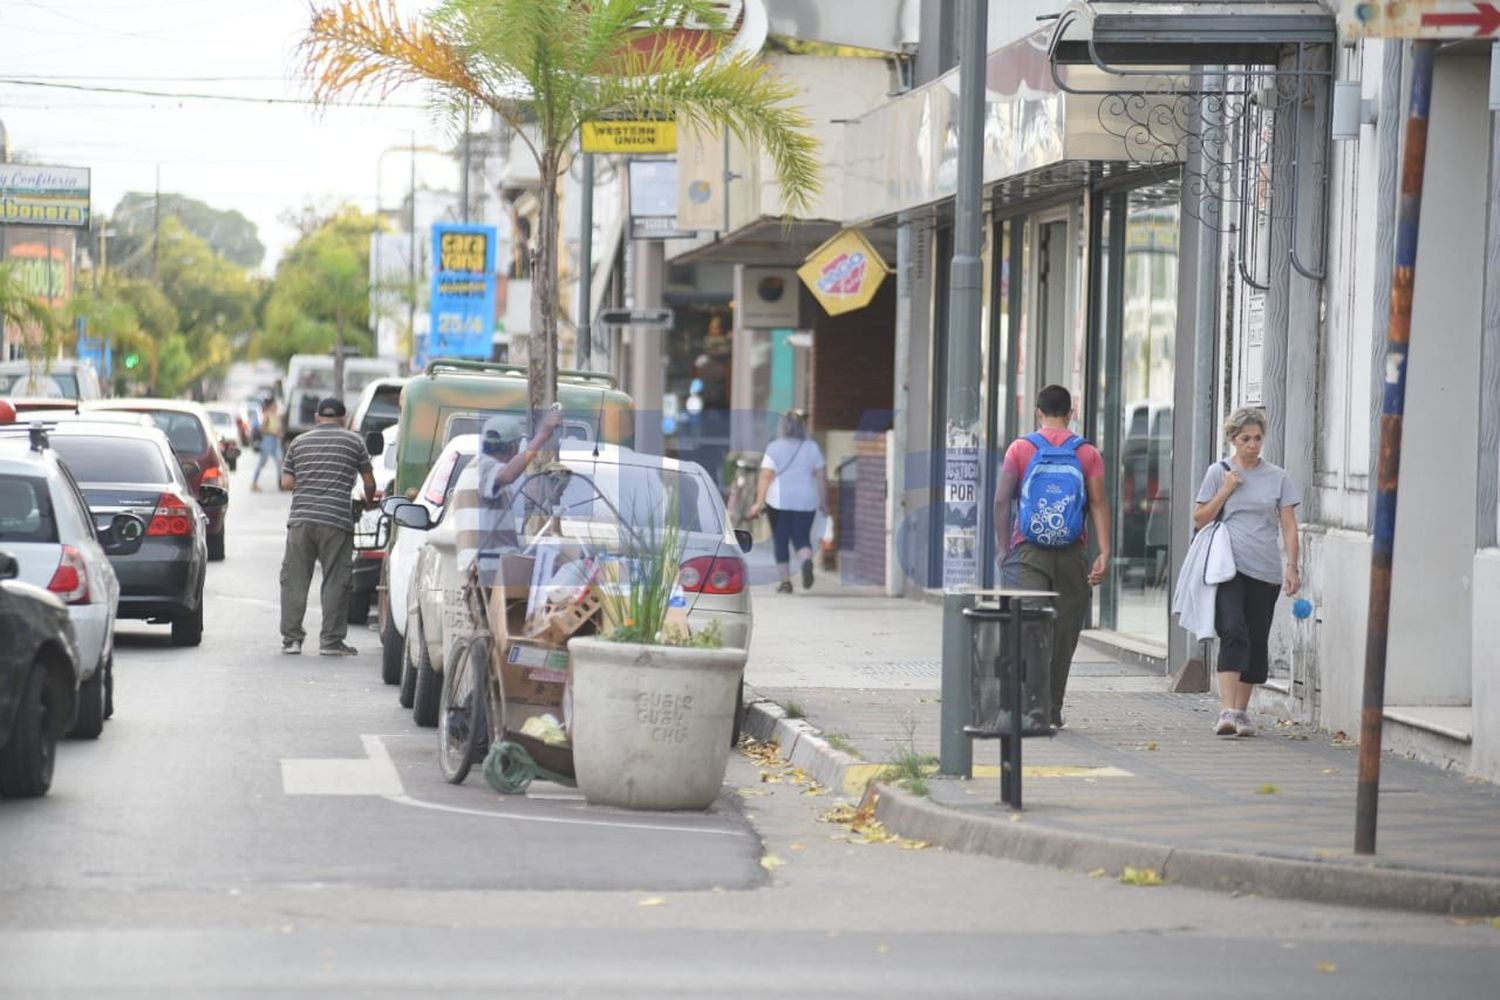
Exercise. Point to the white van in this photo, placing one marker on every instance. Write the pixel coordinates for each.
(309, 377)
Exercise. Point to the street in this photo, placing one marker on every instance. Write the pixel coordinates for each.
(253, 824)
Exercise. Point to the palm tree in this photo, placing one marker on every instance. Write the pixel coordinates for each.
(32, 314)
(545, 67)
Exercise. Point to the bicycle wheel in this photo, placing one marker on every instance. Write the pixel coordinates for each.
(461, 723)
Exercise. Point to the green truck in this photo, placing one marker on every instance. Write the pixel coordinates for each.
(455, 396)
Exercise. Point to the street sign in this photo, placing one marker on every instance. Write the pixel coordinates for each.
(844, 273)
(1441, 19)
(463, 291)
(635, 317)
(630, 137)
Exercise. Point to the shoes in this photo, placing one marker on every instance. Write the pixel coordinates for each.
(291, 647)
(1228, 722)
(784, 587)
(807, 574)
(1242, 724)
(338, 649)
(1057, 720)
(254, 487)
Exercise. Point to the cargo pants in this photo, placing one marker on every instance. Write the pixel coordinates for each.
(1065, 572)
(332, 549)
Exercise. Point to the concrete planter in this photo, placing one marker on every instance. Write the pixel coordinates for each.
(651, 724)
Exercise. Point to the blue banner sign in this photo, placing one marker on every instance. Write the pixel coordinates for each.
(463, 291)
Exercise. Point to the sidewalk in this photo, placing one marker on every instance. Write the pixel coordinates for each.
(1137, 778)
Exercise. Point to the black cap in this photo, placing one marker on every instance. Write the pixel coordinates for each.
(331, 406)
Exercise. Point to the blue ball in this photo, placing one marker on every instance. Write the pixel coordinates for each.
(1302, 608)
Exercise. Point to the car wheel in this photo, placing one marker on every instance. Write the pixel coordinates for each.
(89, 722)
(109, 687)
(408, 693)
(26, 761)
(392, 649)
(187, 629)
(429, 688)
(359, 609)
(216, 547)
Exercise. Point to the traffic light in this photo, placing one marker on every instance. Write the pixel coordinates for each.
(132, 359)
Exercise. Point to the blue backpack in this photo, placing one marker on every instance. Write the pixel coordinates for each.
(1054, 498)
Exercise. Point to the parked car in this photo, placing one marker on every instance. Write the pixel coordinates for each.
(404, 656)
(226, 426)
(309, 377)
(189, 429)
(607, 495)
(370, 529)
(131, 475)
(46, 526)
(58, 378)
(39, 668)
(378, 407)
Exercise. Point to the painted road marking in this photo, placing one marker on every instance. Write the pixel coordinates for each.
(857, 776)
(376, 775)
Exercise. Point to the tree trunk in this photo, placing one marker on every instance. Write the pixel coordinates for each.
(338, 355)
(542, 345)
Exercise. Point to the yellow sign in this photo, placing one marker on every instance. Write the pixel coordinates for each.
(630, 137)
(844, 274)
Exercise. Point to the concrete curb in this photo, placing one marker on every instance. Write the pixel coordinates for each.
(1335, 882)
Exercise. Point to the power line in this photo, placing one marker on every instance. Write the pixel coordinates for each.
(184, 96)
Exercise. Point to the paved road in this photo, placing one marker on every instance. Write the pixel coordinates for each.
(171, 860)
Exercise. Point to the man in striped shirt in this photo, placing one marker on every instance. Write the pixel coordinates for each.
(319, 469)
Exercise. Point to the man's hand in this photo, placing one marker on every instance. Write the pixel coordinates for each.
(1100, 567)
(1292, 581)
(551, 420)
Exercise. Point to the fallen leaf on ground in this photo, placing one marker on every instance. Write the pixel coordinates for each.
(816, 789)
(796, 847)
(771, 862)
(1267, 789)
(1149, 745)
(865, 829)
(1098, 873)
(652, 901)
(1330, 770)
(1328, 966)
(1140, 876)
(751, 793)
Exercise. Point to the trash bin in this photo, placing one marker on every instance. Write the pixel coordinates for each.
(990, 664)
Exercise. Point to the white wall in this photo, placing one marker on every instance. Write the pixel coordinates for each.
(1431, 602)
(1485, 759)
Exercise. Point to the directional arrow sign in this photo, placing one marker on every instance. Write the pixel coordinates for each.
(635, 317)
(1421, 19)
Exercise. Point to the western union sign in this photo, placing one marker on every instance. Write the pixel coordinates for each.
(630, 137)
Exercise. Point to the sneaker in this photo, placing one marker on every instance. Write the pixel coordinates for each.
(807, 574)
(338, 649)
(291, 647)
(784, 587)
(1057, 720)
(255, 487)
(1228, 721)
(1242, 724)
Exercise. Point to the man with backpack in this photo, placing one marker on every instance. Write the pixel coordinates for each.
(1055, 479)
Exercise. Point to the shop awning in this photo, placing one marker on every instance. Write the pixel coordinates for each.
(771, 241)
(1107, 34)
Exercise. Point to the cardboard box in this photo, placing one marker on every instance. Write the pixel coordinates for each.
(534, 673)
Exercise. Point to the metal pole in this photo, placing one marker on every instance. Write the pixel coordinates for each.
(1388, 475)
(586, 266)
(411, 257)
(962, 426)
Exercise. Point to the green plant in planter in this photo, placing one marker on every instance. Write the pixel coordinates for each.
(636, 589)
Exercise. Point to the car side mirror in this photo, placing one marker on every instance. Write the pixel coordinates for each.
(746, 540)
(413, 515)
(9, 568)
(123, 536)
(213, 497)
(375, 443)
(389, 504)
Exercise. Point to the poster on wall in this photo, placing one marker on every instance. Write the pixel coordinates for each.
(463, 291)
(1255, 336)
(961, 510)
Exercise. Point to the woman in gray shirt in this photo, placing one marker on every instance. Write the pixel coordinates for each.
(1257, 502)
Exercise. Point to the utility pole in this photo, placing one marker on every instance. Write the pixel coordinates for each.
(464, 181)
(411, 254)
(586, 267)
(962, 431)
(156, 228)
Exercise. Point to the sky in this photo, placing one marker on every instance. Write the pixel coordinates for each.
(257, 158)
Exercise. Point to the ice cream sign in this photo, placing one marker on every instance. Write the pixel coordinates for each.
(844, 274)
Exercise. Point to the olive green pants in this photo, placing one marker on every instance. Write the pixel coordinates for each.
(332, 549)
(1065, 572)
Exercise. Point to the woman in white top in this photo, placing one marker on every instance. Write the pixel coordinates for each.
(793, 488)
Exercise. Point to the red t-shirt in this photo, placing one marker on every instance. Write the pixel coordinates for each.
(1020, 453)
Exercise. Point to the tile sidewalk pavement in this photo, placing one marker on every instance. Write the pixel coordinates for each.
(1134, 765)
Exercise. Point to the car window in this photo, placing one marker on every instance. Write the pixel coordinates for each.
(41, 385)
(111, 459)
(80, 505)
(26, 513)
(642, 495)
(384, 410)
(440, 482)
(221, 419)
(183, 430)
(473, 423)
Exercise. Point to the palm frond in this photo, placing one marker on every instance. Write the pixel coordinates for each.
(368, 47)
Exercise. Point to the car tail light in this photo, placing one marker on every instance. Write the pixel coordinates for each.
(713, 575)
(212, 472)
(172, 517)
(71, 581)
